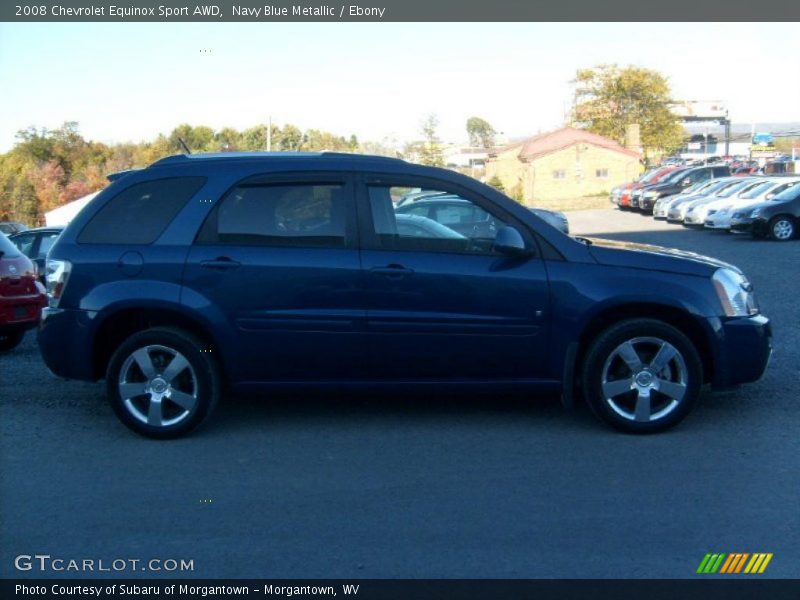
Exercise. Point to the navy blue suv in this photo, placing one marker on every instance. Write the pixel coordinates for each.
(251, 272)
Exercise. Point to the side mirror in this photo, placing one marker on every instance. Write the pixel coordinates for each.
(769, 196)
(686, 182)
(509, 241)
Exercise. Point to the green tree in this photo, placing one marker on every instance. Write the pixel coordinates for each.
(481, 133)
(496, 183)
(609, 98)
(430, 150)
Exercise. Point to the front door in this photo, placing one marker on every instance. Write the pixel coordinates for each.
(441, 303)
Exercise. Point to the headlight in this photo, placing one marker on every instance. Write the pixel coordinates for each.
(56, 277)
(711, 212)
(735, 293)
(651, 195)
(755, 213)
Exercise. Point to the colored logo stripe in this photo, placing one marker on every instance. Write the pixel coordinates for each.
(734, 563)
(710, 563)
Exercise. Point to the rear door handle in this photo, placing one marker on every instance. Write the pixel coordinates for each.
(221, 263)
(392, 271)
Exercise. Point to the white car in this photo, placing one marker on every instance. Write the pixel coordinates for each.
(719, 217)
(662, 205)
(694, 213)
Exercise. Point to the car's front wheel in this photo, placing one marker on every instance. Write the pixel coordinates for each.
(162, 382)
(782, 228)
(642, 375)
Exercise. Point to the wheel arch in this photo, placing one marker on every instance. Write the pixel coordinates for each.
(679, 318)
(120, 323)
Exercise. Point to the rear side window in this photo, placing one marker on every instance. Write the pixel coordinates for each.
(306, 215)
(6, 247)
(140, 214)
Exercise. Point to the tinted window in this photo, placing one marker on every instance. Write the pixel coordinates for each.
(140, 214)
(447, 223)
(25, 243)
(279, 215)
(46, 243)
(6, 247)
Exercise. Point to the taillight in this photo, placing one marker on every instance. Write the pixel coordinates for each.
(57, 274)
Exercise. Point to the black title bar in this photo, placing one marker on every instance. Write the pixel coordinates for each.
(265, 11)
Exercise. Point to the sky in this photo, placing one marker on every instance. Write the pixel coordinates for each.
(131, 81)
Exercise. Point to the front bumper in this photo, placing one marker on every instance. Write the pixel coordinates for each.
(65, 342)
(742, 349)
(760, 227)
(742, 225)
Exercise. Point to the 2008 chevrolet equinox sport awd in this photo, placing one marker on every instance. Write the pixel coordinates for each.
(252, 271)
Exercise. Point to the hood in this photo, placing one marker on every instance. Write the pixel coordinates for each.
(644, 256)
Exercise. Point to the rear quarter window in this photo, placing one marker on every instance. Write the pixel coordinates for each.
(140, 213)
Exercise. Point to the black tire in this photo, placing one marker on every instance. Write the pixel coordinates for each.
(782, 228)
(9, 341)
(198, 381)
(620, 408)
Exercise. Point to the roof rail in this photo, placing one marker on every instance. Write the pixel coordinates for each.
(186, 158)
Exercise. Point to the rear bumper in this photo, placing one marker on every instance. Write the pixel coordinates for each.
(743, 349)
(19, 313)
(65, 343)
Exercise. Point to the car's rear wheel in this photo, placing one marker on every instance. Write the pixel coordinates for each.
(642, 376)
(162, 382)
(9, 341)
(782, 228)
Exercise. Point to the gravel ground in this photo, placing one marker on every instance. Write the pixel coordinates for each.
(360, 487)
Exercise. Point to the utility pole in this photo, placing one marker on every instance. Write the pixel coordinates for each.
(269, 134)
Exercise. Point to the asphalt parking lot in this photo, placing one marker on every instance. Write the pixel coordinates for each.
(424, 487)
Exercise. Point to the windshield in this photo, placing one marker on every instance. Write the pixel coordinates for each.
(757, 189)
(732, 188)
(793, 193)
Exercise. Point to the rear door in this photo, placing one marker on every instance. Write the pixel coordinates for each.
(277, 259)
(446, 305)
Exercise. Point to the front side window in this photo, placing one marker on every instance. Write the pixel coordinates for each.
(279, 215)
(443, 222)
(140, 213)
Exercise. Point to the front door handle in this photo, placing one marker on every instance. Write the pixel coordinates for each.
(393, 271)
(221, 263)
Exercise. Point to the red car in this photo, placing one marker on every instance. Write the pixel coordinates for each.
(22, 297)
(649, 179)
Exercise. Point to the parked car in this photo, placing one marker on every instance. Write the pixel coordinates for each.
(556, 218)
(454, 212)
(651, 178)
(34, 243)
(776, 219)
(677, 210)
(8, 227)
(674, 184)
(252, 272)
(423, 227)
(662, 205)
(21, 295)
(695, 212)
(719, 216)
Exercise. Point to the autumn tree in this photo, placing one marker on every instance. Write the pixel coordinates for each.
(481, 133)
(609, 98)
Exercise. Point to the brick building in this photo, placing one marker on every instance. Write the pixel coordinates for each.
(566, 163)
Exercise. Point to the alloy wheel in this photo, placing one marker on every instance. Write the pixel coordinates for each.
(783, 229)
(644, 379)
(158, 386)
